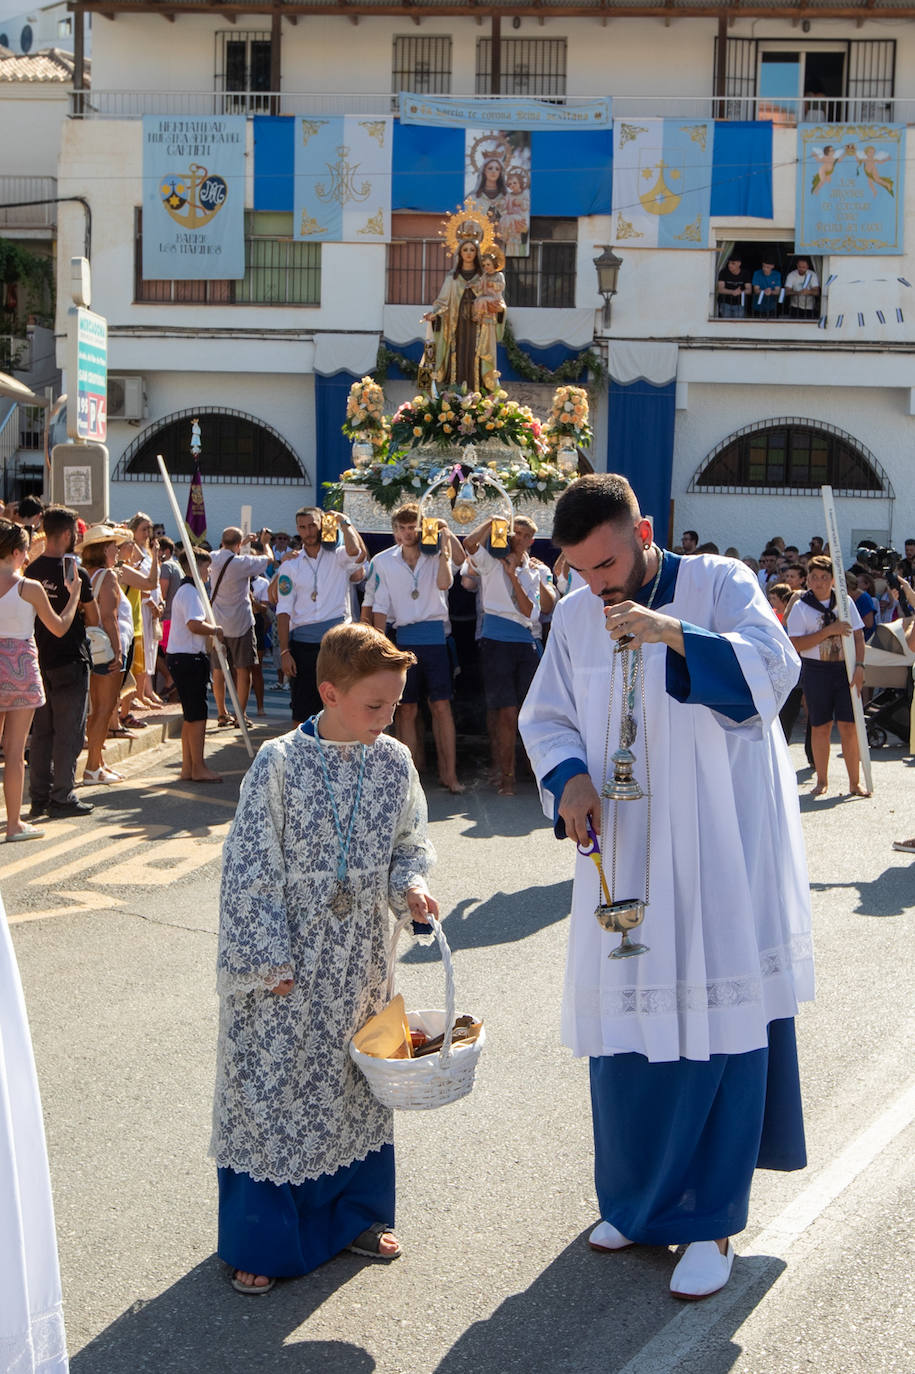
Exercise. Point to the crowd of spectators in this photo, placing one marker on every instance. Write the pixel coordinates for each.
(124, 631)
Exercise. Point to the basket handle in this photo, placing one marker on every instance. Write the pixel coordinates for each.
(445, 1052)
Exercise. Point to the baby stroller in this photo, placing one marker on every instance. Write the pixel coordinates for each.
(888, 664)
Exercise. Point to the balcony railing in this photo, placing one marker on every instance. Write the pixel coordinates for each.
(133, 104)
(19, 188)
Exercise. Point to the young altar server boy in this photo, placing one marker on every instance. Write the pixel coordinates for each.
(330, 831)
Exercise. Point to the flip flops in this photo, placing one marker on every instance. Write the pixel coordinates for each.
(250, 1289)
(28, 832)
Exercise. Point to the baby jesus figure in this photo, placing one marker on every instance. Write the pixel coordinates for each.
(490, 293)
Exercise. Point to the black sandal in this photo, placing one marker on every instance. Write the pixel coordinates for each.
(368, 1243)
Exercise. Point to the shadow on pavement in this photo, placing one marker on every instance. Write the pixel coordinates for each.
(201, 1324)
(501, 920)
(589, 1311)
(888, 895)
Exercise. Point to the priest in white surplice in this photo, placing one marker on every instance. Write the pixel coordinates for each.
(694, 1079)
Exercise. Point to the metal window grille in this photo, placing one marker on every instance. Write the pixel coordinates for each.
(243, 71)
(417, 267)
(278, 271)
(530, 66)
(740, 79)
(792, 455)
(871, 69)
(236, 448)
(422, 65)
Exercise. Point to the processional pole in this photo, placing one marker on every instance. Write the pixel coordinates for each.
(188, 542)
(843, 601)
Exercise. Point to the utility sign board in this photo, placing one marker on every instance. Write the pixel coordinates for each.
(87, 376)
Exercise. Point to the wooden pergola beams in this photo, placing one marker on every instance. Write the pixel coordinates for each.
(599, 9)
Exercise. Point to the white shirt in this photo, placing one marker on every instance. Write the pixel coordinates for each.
(232, 605)
(186, 606)
(260, 586)
(798, 282)
(397, 582)
(496, 590)
(804, 620)
(313, 590)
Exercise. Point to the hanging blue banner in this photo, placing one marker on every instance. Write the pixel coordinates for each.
(193, 198)
(850, 189)
(503, 112)
(342, 179)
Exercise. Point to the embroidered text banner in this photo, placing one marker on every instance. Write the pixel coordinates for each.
(850, 189)
(193, 198)
(343, 179)
(662, 182)
(505, 112)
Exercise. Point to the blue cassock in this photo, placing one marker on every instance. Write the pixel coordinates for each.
(676, 1144)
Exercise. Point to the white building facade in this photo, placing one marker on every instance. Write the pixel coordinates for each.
(758, 411)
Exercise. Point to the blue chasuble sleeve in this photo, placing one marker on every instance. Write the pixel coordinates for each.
(555, 782)
(709, 675)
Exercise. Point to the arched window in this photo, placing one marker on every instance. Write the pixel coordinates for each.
(792, 456)
(235, 448)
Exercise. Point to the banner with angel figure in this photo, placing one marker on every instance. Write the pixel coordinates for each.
(497, 175)
(850, 184)
(342, 184)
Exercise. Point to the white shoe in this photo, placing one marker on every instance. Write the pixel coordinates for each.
(702, 1270)
(605, 1236)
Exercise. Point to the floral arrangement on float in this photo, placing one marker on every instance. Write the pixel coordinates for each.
(568, 426)
(365, 421)
(466, 417)
(399, 467)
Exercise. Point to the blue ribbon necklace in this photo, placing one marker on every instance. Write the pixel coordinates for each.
(341, 899)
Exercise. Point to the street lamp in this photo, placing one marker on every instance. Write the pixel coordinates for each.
(608, 270)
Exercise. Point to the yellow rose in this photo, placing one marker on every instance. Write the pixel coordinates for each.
(417, 400)
(446, 428)
(417, 430)
(428, 419)
(490, 425)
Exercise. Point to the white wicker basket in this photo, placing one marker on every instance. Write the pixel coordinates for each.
(435, 1079)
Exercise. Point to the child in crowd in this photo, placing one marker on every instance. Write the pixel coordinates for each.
(780, 595)
(816, 633)
(330, 831)
(189, 665)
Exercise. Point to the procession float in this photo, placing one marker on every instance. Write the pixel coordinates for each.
(461, 446)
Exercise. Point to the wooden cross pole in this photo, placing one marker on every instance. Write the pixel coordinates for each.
(188, 542)
(848, 641)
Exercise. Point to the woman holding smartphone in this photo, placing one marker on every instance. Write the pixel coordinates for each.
(21, 690)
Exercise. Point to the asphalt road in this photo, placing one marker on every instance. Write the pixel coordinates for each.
(114, 922)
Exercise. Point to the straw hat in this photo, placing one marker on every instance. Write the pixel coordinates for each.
(103, 534)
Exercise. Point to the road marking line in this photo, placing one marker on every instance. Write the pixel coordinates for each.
(692, 1324)
(84, 902)
(161, 866)
(37, 854)
(41, 854)
(95, 858)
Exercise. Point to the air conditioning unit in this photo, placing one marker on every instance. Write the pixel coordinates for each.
(125, 398)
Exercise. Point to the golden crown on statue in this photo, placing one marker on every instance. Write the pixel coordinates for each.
(468, 224)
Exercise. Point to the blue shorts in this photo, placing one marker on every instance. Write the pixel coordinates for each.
(508, 671)
(430, 675)
(826, 691)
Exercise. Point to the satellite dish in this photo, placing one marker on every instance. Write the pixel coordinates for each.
(25, 38)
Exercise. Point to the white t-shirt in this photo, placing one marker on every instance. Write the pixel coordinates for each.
(496, 590)
(804, 620)
(315, 590)
(397, 582)
(186, 606)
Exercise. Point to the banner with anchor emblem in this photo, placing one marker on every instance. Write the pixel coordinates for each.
(343, 179)
(662, 182)
(193, 198)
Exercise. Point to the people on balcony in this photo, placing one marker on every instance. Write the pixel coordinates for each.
(802, 287)
(767, 285)
(732, 291)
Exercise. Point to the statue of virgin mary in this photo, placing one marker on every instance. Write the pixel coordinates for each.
(464, 349)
